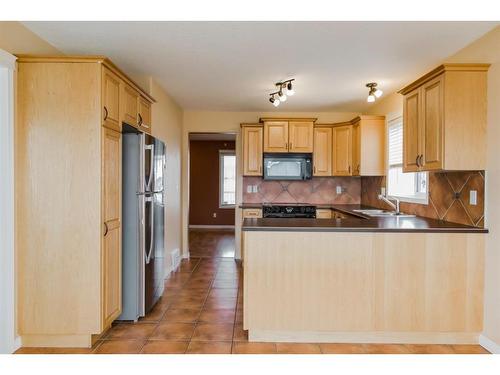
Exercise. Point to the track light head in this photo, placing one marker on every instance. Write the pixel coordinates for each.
(281, 96)
(289, 89)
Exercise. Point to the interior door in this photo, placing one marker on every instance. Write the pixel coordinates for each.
(342, 150)
(252, 151)
(276, 136)
(111, 243)
(432, 124)
(300, 136)
(110, 100)
(322, 157)
(411, 131)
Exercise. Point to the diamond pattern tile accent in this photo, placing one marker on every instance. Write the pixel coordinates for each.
(448, 197)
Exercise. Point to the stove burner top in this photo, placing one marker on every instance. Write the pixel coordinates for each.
(283, 211)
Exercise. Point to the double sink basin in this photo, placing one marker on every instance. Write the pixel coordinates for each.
(382, 213)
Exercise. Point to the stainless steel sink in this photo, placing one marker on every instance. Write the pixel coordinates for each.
(382, 213)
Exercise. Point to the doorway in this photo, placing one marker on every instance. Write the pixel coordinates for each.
(212, 195)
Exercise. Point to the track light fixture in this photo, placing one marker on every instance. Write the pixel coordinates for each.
(374, 92)
(285, 88)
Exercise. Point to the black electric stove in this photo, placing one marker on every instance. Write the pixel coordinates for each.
(291, 211)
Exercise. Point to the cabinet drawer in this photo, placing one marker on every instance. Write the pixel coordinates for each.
(249, 213)
(323, 213)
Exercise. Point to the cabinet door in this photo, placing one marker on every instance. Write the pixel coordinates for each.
(144, 120)
(300, 136)
(411, 131)
(110, 100)
(322, 157)
(342, 150)
(356, 149)
(432, 124)
(276, 136)
(252, 151)
(111, 213)
(129, 102)
(323, 213)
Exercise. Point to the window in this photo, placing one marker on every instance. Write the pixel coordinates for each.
(409, 187)
(227, 179)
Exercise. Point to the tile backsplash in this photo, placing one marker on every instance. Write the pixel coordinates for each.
(448, 197)
(319, 190)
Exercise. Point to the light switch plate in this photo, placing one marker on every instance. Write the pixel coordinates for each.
(382, 191)
(339, 189)
(249, 188)
(255, 188)
(473, 197)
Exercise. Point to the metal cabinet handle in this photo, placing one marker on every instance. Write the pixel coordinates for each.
(314, 169)
(140, 119)
(349, 169)
(105, 113)
(420, 160)
(416, 160)
(106, 229)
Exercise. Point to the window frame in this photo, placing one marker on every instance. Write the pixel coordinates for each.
(223, 153)
(418, 198)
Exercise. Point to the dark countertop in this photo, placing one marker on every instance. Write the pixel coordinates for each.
(358, 223)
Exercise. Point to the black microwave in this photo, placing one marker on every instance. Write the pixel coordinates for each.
(288, 166)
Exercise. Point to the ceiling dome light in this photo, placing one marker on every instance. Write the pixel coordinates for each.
(289, 89)
(373, 93)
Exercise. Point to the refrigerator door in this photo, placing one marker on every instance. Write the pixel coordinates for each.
(132, 234)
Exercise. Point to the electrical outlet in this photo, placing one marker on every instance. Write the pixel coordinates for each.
(382, 191)
(473, 197)
(339, 189)
(214, 215)
(249, 188)
(255, 188)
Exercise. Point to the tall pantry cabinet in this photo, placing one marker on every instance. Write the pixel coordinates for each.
(68, 197)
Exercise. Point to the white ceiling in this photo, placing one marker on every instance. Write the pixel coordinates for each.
(232, 66)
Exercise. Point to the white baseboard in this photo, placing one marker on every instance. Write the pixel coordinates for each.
(489, 345)
(211, 227)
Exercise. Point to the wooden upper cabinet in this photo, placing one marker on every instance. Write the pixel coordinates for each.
(111, 213)
(444, 115)
(411, 131)
(252, 150)
(431, 147)
(276, 136)
(356, 149)
(322, 157)
(144, 115)
(300, 136)
(129, 105)
(110, 99)
(342, 150)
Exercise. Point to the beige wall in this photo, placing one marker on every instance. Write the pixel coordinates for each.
(229, 122)
(487, 50)
(167, 126)
(17, 39)
(483, 50)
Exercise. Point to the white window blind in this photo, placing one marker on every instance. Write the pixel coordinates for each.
(227, 184)
(410, 187)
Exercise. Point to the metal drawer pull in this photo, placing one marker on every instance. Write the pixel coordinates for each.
(106, 229)
(105, 113)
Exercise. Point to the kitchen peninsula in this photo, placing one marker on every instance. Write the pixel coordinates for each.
(402, 280)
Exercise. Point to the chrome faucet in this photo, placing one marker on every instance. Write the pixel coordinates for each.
(388, 201)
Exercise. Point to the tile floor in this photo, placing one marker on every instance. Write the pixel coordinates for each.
(201, 311)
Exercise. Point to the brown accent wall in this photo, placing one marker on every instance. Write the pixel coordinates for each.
(204, 184)
(319, 190)
(448, 197)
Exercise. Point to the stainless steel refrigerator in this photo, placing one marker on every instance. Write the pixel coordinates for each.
(143, 215)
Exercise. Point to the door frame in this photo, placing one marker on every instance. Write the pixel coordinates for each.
(9, 341)
(186, 176)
